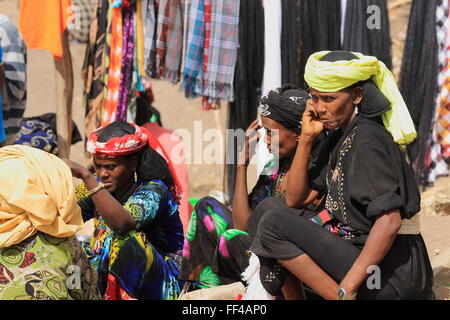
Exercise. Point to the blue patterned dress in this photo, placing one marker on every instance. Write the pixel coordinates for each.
(140, 264)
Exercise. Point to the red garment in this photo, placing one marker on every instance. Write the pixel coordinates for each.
(119, 146)
(114, 290)
(174, 147)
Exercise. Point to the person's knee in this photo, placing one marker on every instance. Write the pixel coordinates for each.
(270, 203)
(270, 220)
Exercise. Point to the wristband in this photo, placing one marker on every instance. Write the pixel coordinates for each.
(96, 189)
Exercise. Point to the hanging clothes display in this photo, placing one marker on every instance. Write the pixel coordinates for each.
(367, 32)
(247, 81)
(131, 41)
(435, 163)
(291, 26)
(321, 21)
(211, 51)
(95, 66)
(419, 93)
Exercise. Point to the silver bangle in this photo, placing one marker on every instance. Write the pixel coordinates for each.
(343, 295)
(96, 189)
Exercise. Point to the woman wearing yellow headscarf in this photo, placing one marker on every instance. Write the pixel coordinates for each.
(368, 221)
(40, 257)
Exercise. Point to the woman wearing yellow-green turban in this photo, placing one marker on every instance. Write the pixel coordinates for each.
(367, 222)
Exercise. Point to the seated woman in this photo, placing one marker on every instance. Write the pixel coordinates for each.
(369, 220)
(40, 257)
(137, 228)
(217, 239)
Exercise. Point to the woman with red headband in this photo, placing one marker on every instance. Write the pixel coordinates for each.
(133, 201)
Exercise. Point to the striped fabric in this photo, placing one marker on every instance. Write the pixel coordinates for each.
(193, 76)
(14, 94)
(223, 46)
(115, 64)
(150, 38)
(329, 223)
(174, 42)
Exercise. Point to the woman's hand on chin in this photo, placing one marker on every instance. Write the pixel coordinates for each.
(311, 125)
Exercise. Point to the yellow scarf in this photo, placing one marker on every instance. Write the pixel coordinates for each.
(36, 194)
(329, 76)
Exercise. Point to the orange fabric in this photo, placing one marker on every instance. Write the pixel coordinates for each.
(140, 39)
(115, 67)
(43, 22)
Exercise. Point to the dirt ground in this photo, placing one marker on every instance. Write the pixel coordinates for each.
(179, 112)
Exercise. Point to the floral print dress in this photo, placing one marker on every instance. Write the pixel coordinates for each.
(214, 253)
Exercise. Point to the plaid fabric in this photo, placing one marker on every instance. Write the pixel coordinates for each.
(441, 128)
(223, 48)
(443, 117)
(150, 38)
(435, 164)
(174, 42)
(15, 66)
(162, 27)
(83, 11)
(192, 75)
(208, 103)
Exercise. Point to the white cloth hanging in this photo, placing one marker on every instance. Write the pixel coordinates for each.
(272, 66)
(343, 12)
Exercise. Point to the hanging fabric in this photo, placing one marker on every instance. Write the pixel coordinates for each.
(192, 82)
(48, 35)
(435, 164)
(272, 50)
(419, 93)
(321, 21)
(365, 31)
(115, 68)
(291, 25)
(247, 81)
(94, 69)
(272, 67)
(118, 56)
(150, 38)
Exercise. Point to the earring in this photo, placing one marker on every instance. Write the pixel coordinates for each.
(135, 176)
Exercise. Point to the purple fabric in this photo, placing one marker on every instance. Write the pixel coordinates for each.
(127, 61)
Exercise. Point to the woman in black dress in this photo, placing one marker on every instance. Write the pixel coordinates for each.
(366, 242)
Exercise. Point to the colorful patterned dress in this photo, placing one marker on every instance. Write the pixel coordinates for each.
(142, 263)
(43, 267)
(214, 253)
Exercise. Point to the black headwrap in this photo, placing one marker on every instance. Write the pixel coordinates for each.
(151, 166)
(285, 105)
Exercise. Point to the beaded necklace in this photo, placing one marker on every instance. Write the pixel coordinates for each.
(279, 182)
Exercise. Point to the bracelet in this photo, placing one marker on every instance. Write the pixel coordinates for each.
(96, 189)
(343, 295)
